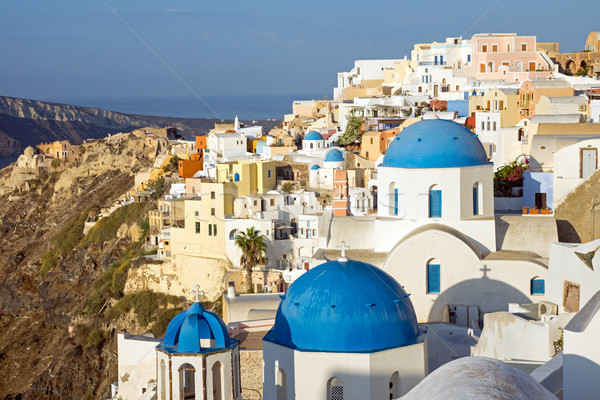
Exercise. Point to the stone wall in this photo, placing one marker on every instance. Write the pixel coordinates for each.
(251, 364)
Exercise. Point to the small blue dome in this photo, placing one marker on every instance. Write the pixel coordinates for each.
(435, 143)
(334, 155)
(313, 135)
(315, 166)
(344, 306)
(187, 328)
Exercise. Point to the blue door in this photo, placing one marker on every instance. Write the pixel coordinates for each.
(475, 200)
(433, 278)
(435, 204)
(441, 60)
(395, 201)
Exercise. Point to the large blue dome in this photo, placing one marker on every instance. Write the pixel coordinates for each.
(187, 329)
(435, 143)
(334, 155)
(313, 135)
(344, 306)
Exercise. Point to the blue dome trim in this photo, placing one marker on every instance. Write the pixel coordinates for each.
(315, 166)
(334, 155)
(313, 135)
(344, 306)
(435, 143)
(187, 328)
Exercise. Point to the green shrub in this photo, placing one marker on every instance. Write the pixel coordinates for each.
(146, 305)
(65, 241)
(106, 228)
(55, 163)
(159, 328)
(97, 337)
(287, 187)
(353, 131)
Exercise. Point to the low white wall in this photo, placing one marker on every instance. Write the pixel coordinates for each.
(508, 203)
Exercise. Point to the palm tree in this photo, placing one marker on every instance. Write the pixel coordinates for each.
(253, 248)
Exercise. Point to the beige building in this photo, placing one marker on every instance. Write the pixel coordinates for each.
(563, 105)
(501, 101)
(170, 212)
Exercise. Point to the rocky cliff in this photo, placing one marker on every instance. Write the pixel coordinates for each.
(26, 122)
(57, 284)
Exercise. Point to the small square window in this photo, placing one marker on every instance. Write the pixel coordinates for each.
(212, 212)
(196, 213)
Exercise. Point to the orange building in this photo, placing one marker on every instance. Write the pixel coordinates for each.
(340, 203)
(188, 168)
(200, 143)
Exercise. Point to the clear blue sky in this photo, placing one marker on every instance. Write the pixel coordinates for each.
(77, 48)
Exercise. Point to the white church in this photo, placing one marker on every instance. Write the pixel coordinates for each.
(437, 231)
(195, 360)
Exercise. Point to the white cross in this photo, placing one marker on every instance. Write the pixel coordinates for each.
(197, 293)
(343, 247)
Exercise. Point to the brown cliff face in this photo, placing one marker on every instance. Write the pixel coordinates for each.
(49, 347)
(25, 122)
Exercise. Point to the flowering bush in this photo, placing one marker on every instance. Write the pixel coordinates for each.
(509, 176)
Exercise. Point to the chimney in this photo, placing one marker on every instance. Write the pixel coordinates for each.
(231, 290)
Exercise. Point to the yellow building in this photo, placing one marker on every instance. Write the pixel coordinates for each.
(503, 101)
(204, 232)
(170, 212)
(249, 177)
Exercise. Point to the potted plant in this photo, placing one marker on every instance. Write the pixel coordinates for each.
(525, 210)
(534, 210)
(545, 211)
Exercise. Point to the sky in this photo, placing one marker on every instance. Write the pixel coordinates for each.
(81, 49)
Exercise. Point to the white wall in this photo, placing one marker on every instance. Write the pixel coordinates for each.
(507, 336)
(566, 266)
(365, 375)
(567, 164)
(489, 284)
(581, 354)
(137, 364)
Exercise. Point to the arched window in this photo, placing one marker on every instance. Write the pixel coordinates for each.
(537, 286)
(187, 384)
(236, 177)
(395, 385)
(519, 66)
(393, 199)
(217, 381)
(477, 198)
(163, 380)
(490, 67)
(281, 384)
(435, 202)
(233, 234)
(335, 389)
(433, 276)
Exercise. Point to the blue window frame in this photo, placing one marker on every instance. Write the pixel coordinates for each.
(269, 173)
(395, 201)
(475, 200)
(468, 58)
(538, 286)
(236, 177)
(435, 204)
(433, 278)
(441, 60)
(436, 60)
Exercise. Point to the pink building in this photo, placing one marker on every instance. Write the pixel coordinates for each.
(506, 56)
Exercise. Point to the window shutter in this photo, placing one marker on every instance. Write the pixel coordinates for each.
(435, 203)
(433, 278)
(537, 286)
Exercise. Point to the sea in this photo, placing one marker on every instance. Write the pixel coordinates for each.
(246, 107)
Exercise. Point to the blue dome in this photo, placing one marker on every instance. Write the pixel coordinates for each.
(334, 155)
(344, 306)
(315, 166)
(187, 328)
(313, 135)
(435, 143)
